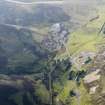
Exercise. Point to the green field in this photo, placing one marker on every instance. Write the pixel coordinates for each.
(86, 38)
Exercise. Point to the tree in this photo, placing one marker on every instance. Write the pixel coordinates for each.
(58, 36)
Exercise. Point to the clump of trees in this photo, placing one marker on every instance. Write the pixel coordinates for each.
(77, 75)
(54, 73)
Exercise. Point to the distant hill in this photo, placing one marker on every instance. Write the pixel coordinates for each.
(27, 15)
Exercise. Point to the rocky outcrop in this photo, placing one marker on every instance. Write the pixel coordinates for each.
(58, 36)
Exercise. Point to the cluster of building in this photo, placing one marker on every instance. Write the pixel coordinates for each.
(92, 81)
(83, 58)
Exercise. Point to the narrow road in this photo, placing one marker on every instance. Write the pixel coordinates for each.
(18, 27)
(35, 2)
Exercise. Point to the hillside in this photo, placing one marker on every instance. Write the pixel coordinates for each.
(31, 15)
(84, 47)
(51, 53)
(18, 50)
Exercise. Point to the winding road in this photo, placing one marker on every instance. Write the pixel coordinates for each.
(35, 2)
(18, 27)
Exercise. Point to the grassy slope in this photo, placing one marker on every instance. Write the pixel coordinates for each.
(84, 39)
